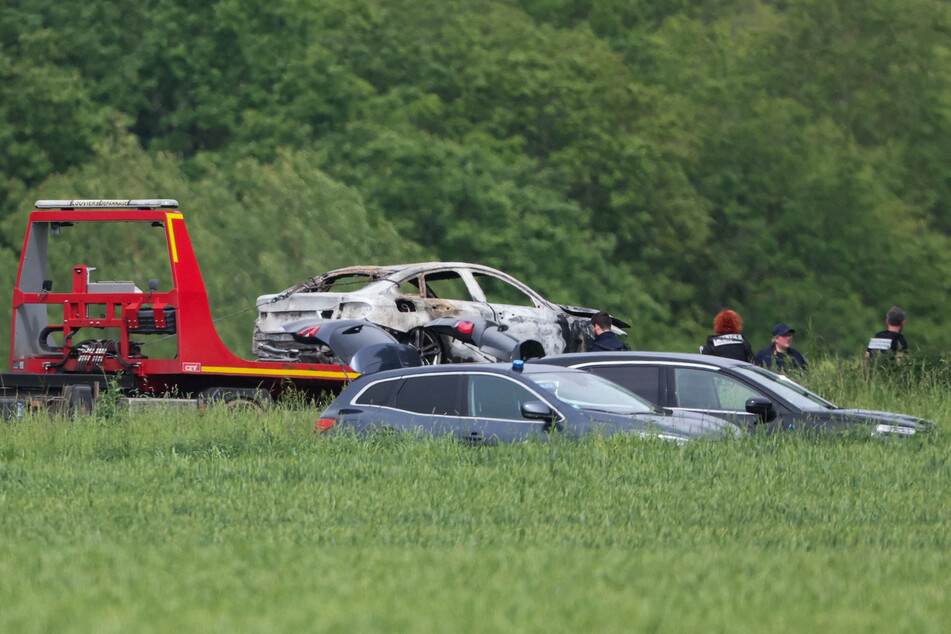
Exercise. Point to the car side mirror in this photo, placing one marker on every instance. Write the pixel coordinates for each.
(537, 410)
(762, 407)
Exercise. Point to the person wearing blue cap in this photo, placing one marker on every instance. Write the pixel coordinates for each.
(781, 353)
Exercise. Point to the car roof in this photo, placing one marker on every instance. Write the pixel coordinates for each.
(384, 271)
(467, 368)
(580, 358)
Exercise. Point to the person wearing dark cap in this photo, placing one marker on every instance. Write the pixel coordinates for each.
(780, 355)
(604, 338)
(728, 340)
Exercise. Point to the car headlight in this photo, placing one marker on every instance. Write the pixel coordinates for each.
(680, 440)
(883, 428)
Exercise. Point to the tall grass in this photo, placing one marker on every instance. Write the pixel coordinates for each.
(240, 522)
(919, 386)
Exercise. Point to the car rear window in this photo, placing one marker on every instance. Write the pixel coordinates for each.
(381, 393)
(344, 283)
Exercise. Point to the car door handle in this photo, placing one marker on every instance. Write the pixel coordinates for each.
(474, 438)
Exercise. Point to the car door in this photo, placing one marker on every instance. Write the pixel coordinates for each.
(494, 408)
(447, 294)
(429, 403)
(432, 403)
(711, 392)
(522, 315)
(372, 407)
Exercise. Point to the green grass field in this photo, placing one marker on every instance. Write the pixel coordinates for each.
(223, 522)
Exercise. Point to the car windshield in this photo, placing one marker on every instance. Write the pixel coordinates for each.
(786, 388)
(584, 390)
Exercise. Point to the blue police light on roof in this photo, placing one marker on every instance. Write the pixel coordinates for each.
(517, 365)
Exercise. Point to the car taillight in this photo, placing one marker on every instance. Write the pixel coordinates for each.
(310, 331)
(465, 327)
(323, 424)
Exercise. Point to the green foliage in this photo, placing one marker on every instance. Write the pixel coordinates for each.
(659, 160)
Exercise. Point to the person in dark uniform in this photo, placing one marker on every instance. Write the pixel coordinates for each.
(728, 340)
(604, 337)
(891, 339)
(781, 352)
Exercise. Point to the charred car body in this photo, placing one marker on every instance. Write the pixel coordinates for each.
(367, 348)
(405, 298)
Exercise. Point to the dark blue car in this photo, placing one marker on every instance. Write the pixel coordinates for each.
(752, 397)
(503, 402)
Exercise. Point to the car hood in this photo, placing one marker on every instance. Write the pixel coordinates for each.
(680, 426)
(694, 424)
(885, 422)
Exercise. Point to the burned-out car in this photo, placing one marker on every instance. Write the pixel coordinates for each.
(405, 298)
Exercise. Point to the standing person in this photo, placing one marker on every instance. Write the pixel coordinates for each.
(891, 339)
(604, 338)
(728, 340)
(781, 351)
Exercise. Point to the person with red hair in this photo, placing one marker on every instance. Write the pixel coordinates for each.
(728, 340)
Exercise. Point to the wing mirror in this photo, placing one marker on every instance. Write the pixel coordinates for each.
(537, 410)
(762, 407)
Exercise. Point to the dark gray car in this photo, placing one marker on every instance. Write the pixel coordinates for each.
(488, 403)
(749, 395)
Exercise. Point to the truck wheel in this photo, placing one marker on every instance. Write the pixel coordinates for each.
(237, 398)
(76, 400)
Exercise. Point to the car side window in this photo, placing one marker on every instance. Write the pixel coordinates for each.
(447, 285)
(496, 397)
(643, 380)
(499, 291)
(703, 389)
(410, 286)
(431, 394)
(381, 393)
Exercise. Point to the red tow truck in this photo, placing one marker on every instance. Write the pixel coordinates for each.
(76, 332)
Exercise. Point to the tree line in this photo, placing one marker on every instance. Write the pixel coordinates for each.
(657, 160)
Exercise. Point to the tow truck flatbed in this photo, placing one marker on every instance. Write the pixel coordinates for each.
(72, 327)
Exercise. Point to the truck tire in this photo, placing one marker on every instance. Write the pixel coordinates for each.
(75, 400)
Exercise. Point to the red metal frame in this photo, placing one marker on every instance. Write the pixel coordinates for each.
(202, 359)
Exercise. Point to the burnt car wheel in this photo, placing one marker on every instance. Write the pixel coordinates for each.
(429, 345)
